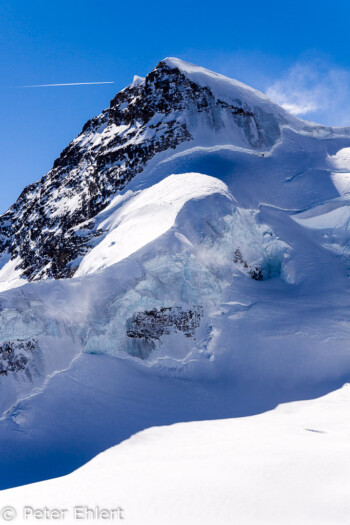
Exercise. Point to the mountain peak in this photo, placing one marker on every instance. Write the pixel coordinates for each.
(216, 81)
(177, 106)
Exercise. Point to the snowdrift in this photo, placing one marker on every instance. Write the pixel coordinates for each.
(290, 465)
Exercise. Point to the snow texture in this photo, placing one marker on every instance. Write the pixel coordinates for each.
(185, 259)
(287, 466)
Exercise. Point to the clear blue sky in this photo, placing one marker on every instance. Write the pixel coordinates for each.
(303, 44)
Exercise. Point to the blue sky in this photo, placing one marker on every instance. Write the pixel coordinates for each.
(296, 51)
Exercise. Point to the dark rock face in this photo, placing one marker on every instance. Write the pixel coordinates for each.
(255, 272)
(153, 324)
(52, 222)
(15, 356)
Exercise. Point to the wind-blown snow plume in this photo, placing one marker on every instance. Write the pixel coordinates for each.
(316, 90)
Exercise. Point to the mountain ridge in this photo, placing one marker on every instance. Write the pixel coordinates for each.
(209, 278)
(51, 225)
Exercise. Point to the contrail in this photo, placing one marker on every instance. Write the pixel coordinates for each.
(67, 84)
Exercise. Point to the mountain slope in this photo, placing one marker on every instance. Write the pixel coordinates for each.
(290, 465)
(200, 234)
(176, 106)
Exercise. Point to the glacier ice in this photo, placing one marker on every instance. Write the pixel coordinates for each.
(193, 264)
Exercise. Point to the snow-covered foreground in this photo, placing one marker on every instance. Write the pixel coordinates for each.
(287, 466)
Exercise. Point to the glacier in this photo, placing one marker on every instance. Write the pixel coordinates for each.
(185, 259)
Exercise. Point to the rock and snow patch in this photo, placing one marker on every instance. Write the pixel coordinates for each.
(181, 273)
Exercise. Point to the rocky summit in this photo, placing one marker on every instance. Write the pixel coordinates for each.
(51, 225)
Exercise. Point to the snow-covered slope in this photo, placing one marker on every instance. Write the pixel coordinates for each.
(287, 466)
(176, 107)
(200, 236)
(146, 216)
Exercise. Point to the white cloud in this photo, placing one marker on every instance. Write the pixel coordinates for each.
(315, 90)
(313, 87)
